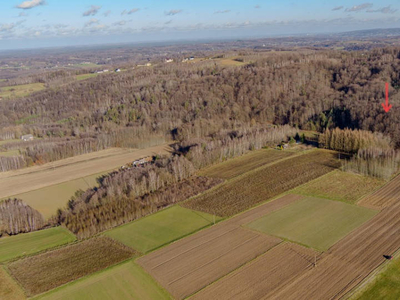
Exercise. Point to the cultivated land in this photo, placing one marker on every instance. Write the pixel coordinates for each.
(18, 91)
(48, 199)
(352, 259)
(160, 228)
(28, 179)
(264, 183)
(261, 278)
(340, 186)
(9, 289)
(33, 242)
(245, 163)
(384, 286)
(192, 263)
(384, 197)
(314, 222)
(125, 281)
(43, 272)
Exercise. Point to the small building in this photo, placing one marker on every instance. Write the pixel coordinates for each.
(169, 60)
(191, 58)
(117, 70)
(27, 137)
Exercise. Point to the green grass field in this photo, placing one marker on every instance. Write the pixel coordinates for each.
(124, 281)
(20, 90)
(161, 228)
(85, 76)
(47, 200)
(9, 153)
(386, 285)
(340, 186)
(33, 242)
(313, 222)
(8, 141)
(245, 163)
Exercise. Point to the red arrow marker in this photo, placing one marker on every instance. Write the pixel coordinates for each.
(386, 106)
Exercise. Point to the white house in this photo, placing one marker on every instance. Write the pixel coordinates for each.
(27, 137)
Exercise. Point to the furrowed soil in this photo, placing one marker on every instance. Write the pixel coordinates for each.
(353, 258)
(9, 289)
(192, 263)
(264, 183)
(261, 278)
(384, 197)
(245, 163)
(43, 272)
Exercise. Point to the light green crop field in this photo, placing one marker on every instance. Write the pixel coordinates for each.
(124, 281)
(85, 76)
(245, 163)
(161, 228)
(9, 141)
(314, 222)
(47, 200)
(340, 186)
(386, 286)
(33, 242)
(9, 153)
(20, 90)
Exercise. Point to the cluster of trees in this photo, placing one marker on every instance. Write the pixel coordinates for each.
(351, 141)
(228, 144)
(17, 217)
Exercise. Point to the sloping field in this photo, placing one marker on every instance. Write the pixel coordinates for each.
(33, 242)
(40, 273)
(384, 197)
(264, 183)
(340, 186)
(48, 199)
(29, 179)
(125, 281)
(160, 228)
(245, 163)
(348, 262)
(22, 90)
(9, 289)
(315, 222)
(192, 263)
(261, 278)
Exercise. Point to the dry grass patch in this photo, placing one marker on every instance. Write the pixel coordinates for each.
(9, 289)
(264, 183)
(49, 270)
(245, 163)
(340, 186)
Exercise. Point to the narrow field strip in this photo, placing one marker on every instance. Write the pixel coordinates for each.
(33, 242)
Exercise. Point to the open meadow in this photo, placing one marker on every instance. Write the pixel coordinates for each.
(9, 289)
(19, 91)
(43, 272)
(313, 222)
(161, 228)
(242, 164)
(33, 242)
(264, 183)
(124, 281)
(340, 186)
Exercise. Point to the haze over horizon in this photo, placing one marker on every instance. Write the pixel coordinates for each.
(50, 23)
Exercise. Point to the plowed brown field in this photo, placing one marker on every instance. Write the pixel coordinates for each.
(351, 260)
(190, 264)
(262, 277)
(384, 197)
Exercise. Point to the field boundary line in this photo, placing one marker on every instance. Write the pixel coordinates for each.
(7, 272)
(370, 278)
(237, 269)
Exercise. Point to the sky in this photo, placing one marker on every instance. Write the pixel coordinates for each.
(58, 23)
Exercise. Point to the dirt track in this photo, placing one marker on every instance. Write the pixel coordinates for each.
(25, 180)
(384, 197)
(192, 263)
